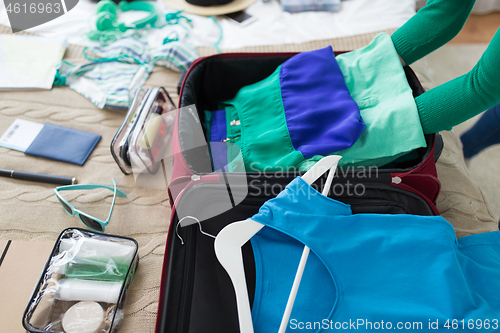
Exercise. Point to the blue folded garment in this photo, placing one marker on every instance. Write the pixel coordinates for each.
(297, 6)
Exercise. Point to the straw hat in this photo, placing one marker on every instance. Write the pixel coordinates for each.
(209, 7)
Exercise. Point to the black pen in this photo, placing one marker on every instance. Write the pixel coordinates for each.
(38, 177)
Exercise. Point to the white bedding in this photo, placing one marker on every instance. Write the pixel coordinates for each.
(272, 27)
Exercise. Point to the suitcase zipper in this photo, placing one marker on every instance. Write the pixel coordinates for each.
(187, 286)
(369, 186)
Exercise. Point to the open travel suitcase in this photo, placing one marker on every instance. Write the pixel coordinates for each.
(196, 294)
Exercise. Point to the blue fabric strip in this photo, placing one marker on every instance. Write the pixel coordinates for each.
(121, 49)
(321, 116)
(180, 56)
(217, 134)
(101, 76)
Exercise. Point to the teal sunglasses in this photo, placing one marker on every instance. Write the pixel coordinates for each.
(90, 221)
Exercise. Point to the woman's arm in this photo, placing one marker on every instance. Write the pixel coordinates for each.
(432, 26)
(455, 101)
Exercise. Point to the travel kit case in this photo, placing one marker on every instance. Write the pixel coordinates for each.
(196, 293)
(145, 132)
(84, 283)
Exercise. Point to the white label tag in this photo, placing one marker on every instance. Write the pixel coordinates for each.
(20, 134)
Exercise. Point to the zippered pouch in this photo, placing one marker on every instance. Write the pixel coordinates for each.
(143, 137)
(83, 285)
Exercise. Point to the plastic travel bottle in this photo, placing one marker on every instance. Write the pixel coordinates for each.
(82, 290)
(103, 270)
(92, 248)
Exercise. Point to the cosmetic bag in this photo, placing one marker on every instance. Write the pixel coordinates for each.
(84, 283)
(196, 293)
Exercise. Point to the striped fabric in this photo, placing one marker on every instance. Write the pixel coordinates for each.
(106, 84)
(131, 50)
(176, 56)
(117, 70)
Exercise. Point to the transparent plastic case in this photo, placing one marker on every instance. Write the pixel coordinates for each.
(153, 132)
(83, 286)
(145, 131)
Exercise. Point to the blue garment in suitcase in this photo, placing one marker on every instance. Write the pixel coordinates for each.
(373, 271)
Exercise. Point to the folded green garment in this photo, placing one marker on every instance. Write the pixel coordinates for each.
(272, 138)
(301, 110)
(378, 84)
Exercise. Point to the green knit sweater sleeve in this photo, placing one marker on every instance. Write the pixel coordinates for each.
(433, 26)
(455, 101)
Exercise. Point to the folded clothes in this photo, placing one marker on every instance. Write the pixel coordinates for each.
(301, 110)
(298, 6)
(378, 84)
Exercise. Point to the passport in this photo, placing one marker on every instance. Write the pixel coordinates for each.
(63, 144)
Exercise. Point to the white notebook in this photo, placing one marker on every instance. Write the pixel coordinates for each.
(29, 62)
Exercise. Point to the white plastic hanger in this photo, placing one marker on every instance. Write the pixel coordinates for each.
(229, 241)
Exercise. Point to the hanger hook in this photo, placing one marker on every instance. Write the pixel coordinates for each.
(199, 224)
(177, 232)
